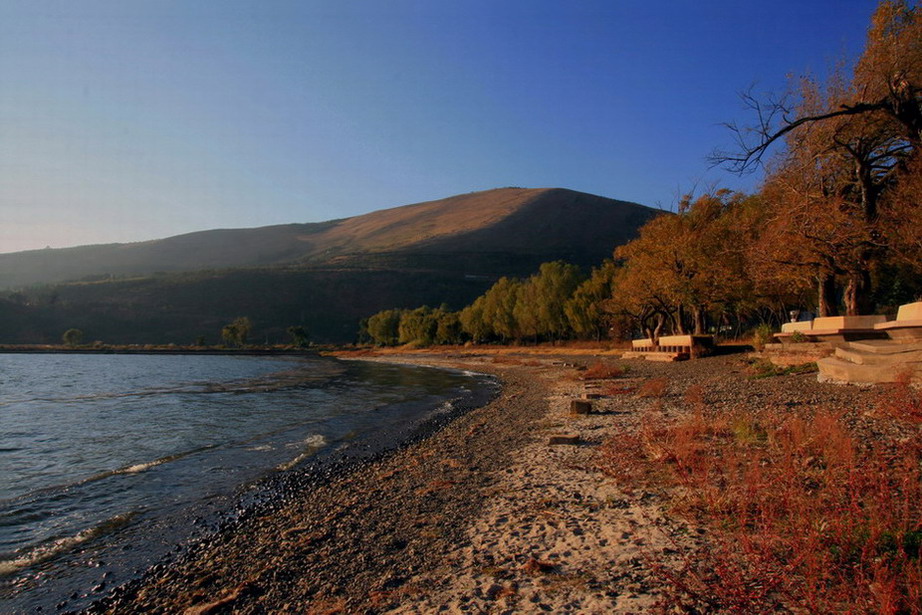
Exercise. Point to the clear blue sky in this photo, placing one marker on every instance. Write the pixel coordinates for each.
(126, 120)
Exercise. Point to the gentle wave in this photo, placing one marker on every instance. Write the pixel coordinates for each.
(314, 443)
(58, 546)
(135, 468)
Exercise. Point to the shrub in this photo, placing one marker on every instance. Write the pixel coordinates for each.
(762, 335)
(602, 371)
(763, 368)
(654, 387)
(72, 337)
(800, 515)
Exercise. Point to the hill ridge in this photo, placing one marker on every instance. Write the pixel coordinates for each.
(405, 229)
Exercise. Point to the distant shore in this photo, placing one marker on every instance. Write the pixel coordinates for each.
(157, 349)
(486, 515)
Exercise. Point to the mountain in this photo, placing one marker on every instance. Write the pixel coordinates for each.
(517, 224)
(324, 275)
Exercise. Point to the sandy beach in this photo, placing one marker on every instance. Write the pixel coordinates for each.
(485, 515)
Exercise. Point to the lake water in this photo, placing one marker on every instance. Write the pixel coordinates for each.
(109, 463)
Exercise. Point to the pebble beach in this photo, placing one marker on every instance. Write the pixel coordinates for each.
(485, 515)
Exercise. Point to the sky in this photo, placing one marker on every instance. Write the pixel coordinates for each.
(128, 120)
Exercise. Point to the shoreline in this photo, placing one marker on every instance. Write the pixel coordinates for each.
(102, 565)
(484, 515)
(377, 512)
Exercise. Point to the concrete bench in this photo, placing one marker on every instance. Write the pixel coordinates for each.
(802, 326)
(908, 323)
(671, 347)
(832, 329)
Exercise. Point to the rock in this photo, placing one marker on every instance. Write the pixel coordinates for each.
(534, 566)
(580, 406)
(564, 439)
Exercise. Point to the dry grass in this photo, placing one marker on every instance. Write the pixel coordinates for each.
(654, 387)
(800, 514)
(602, 371)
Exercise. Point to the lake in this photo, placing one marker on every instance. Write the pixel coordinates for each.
(111, 463)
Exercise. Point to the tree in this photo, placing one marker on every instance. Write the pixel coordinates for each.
(499, 309)
(685, 269)
(904, 227)
(418, 326)
(553, 285)
(383, 327)
(299, 336)
(237, 332)
(851, 144)
(585, 309)
(72, 337)
(473, 322)
(449, 329)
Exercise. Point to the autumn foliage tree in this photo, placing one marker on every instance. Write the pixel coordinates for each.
(844, 189)
(685, 270)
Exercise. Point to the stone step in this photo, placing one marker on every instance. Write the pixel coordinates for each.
(835, 369)
(894, 359)
(666, 356)
(885, 346)
(655, 356)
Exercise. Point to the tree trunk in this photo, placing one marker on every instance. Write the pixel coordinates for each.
(826, 295)
(698, 315)
(679, 321)
(857, 294)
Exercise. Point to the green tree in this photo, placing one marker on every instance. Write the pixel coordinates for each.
(418, 326)
(237, 332)
(473, 322)
(586, 308)
(554, 284)
(499, 309)
(384, 327)
(72, 337)
(299, 336)
(449, 329)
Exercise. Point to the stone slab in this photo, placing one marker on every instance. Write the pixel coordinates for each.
(686, 340)
(884, 346)
(791, 327)
(665, 356)
(836, 369)
(910, 311)
(903, 330)
(898, 361)
(835, 323)
(580, 406)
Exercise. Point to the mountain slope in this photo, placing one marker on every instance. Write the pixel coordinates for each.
(325, 276)
(517, 225)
